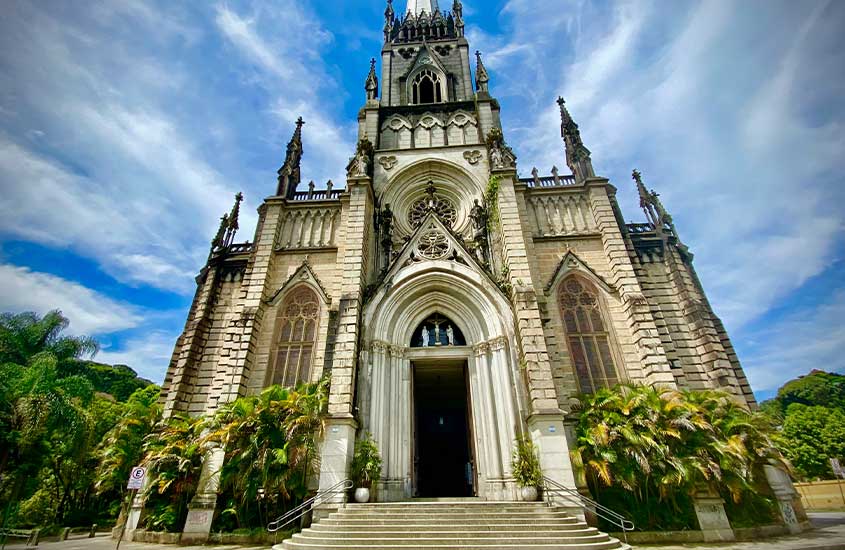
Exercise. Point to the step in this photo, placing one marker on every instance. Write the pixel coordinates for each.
(451, 525)
(450, 528)
(609, 545)
(527, 534)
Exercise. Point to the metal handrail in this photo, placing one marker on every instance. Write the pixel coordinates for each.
(551, 486)
(302, 509)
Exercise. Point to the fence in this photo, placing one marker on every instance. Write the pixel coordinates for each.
(822, 495)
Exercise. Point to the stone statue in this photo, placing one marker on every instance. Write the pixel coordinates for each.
(425, 337)
(496, 158)
(450, 334)
(479, 220)
(501, 156)
(359, 165)
(479, 217)
(385, 226)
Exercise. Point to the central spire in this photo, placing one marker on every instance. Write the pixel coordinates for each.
(418, 6)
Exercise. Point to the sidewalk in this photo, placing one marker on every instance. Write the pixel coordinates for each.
(829, 534)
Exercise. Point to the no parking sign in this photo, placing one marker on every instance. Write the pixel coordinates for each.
(136, 478)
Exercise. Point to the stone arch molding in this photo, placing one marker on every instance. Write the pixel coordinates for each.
(385, 375)
(408, 184)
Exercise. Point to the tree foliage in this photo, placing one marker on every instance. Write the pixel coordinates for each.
(52, 421)
(648, 450)
(819, 388)
(811, 436)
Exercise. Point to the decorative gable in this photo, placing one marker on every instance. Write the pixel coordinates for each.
(571, 263)
(303, 274)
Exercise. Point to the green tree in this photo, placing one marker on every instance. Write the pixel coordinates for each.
(173, 454)
(270, 441)
(811, 436)
(647, 450)
(819, 388)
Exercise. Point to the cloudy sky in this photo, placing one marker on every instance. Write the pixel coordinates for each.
(126, 127)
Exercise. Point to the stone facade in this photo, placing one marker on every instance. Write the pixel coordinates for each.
(434, 223)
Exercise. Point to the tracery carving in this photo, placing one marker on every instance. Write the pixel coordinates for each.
(433, 245)
(441, 206)
(388, 162)
(473, 156)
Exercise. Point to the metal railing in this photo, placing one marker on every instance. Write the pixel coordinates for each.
(302, 509)
(551, 487)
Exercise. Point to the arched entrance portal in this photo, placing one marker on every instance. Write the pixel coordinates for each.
(465, 376)
(443, 450)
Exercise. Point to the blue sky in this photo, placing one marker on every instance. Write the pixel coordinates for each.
(127, 127)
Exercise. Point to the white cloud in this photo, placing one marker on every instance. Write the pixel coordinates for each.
(806, 339)
(90, 313)
(723, 116)
(149, 355)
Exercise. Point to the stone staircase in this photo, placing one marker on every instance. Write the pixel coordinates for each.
(450, 525)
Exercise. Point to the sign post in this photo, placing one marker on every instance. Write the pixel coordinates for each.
(136, 481)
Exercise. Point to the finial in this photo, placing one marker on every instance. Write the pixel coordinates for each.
(638, 177)
(289, 172)
(371, 86)
(481, 76)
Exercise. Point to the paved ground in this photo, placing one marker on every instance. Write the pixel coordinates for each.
(829, 534)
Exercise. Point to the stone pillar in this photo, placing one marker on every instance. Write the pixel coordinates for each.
(712, 519)
(549, 434)
(201, 509)
(789, 501)
(646, 339)
(335, 457)
(339, 441)
(136, 509)
(545, 421)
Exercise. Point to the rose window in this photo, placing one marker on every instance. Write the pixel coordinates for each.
(433, 245)
(442, 207)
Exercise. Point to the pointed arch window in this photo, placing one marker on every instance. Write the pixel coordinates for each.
(296, 331)
(426, 88)
(587, 335)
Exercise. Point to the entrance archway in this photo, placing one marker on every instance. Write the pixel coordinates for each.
(391, 408)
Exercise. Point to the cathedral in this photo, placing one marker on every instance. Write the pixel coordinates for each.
(454, 305)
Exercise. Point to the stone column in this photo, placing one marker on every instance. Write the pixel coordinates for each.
(789, 501)
(655, 369)
(201, 509)
(712, 519)
(339, 440)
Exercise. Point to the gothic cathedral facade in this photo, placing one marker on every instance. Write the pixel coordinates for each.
(453, 305)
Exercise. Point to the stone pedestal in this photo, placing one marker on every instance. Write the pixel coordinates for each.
(548, 433)
(789, 501)
(335, 457)
(136, 508)
(201, 509)
(712, 519)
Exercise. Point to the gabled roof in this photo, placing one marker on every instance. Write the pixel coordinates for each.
(303, 273)
(571, 262)
(426, 59)
(455, 250)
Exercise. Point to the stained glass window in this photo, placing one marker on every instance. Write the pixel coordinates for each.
(296, 330)
(587, 335)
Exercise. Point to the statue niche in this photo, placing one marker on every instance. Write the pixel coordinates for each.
(437, 330)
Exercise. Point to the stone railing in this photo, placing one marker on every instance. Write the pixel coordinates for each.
(328, 194)
(548, 181)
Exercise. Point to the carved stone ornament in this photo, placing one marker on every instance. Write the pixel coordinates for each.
(472, 157)
(388, 162)
(359, 165)
(433, 245)
(501, 156)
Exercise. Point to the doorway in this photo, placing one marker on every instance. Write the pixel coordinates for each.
(443, 458)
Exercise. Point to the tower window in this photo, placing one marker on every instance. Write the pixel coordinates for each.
(587, 335)
(426, 88)
(296, 329)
